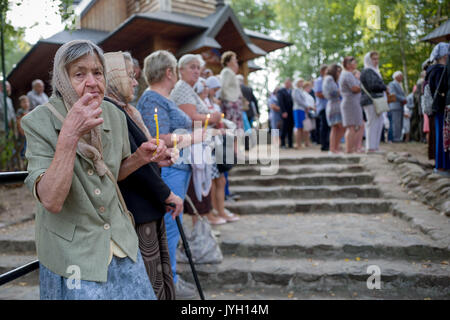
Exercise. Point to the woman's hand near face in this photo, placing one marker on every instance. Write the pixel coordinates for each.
(83, 116)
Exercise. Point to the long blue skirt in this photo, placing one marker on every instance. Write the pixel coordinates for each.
(442, 157)
(126, 281)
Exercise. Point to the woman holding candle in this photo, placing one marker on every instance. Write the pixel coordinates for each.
(144, 192)
(78, 148)
(188, 94)
(161, 76)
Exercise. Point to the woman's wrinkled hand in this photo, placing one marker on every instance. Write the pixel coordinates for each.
(215, 117)
(150, 152)
(83, 116)
(172, 156)
(175, 201)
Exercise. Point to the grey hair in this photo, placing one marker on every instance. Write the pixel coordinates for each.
(156, 64)
(127, 56)
(69, 53)
(187, 58)
(36, 82)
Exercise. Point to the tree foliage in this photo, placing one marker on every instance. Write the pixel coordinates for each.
(325, 31)
(15, 45)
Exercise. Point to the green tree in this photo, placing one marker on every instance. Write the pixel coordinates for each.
(15, 45)
(321, 30)
(255, 15)
(402, 25)
(324, 31)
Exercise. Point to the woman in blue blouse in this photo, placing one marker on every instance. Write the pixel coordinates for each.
(160, 73)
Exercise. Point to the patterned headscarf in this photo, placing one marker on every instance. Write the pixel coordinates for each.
(119, 88)
(90, 145)
(439, 51)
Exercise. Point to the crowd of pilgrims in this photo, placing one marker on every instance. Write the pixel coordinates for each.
(107, 152)
(107, 165)
(338, 106)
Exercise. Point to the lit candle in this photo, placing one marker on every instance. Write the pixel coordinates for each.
(207, 120)
(223, 116)
(157, 128)
(174, 140)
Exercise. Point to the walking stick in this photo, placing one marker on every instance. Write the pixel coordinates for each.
(188, 251)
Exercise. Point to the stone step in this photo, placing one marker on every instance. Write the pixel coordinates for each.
(306, 192)
(397, 278)
(318, 179)
(300, 169)
(20, 291)
(334, 236)
(304, 160)
(18, 239)
(286, 206)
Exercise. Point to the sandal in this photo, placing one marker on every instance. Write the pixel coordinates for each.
(231, 217)
(215, 220)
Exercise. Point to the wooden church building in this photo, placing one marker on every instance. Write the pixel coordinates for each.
(206, 27)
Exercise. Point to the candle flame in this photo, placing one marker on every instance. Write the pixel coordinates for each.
(156, 110)
(208, 116)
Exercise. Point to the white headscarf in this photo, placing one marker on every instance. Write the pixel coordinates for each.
(368, 64)
(396, 74)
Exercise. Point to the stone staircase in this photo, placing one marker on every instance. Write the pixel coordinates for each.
(313, 230)
(309, 232)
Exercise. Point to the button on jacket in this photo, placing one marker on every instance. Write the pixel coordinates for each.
(91, 216)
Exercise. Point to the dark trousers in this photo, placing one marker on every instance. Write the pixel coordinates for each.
(287, 130)
(315, 134)
(391, 130)
(396, 125)
(324, 131)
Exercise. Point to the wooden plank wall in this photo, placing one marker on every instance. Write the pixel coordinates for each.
(142, 6)
(105, 15)
(201, 8)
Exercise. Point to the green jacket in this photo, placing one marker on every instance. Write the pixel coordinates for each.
(91, 216)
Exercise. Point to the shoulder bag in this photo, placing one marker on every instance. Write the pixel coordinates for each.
(380, 104)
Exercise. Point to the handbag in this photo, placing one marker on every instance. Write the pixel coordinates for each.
(202, 242)
(307, 124)
(428, 100)
(392, 98)
(381, 104)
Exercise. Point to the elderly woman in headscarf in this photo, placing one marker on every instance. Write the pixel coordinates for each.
(437, 80)
(145, 193)
(372, 82)
(78, 148)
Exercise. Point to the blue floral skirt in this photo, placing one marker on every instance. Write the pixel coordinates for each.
(126, 281)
